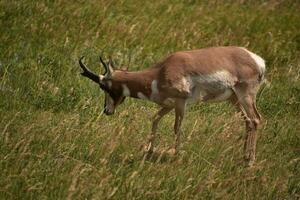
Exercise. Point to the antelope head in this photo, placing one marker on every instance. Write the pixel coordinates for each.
(113, 95)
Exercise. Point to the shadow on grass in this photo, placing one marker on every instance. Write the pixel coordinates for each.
(159, 156)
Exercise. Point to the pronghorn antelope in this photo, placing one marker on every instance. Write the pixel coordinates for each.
(210, 75)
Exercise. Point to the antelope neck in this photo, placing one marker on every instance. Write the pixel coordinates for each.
(137, 84)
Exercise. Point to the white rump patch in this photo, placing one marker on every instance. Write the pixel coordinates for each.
(141, 95)
(126, 91)
(154, 89)
(258, 60)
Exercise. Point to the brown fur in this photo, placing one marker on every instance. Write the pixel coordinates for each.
(170, 70)
(173, 91)
(137, 81)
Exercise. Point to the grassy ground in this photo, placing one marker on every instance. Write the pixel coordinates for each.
(54, 144)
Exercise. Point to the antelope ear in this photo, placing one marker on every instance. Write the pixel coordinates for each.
(109, 68)
(111, 63)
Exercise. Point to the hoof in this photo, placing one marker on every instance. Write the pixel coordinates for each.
(147, 148)
(250, 161)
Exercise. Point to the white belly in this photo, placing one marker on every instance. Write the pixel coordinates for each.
(212, 88)
(202, 95)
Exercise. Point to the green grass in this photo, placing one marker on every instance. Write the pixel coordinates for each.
(54, 144)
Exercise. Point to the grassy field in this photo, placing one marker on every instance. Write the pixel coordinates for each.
(55, 144)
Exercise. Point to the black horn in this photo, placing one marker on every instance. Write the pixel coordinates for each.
(104, 65)
(87, 73)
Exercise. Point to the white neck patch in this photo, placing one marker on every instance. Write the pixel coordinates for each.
(126, 91)
(141, 95)
(154, 89)
(258, 60)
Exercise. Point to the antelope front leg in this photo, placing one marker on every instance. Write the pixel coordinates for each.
(179, 113)
(162, 112)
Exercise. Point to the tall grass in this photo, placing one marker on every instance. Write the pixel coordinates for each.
(55, 144)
